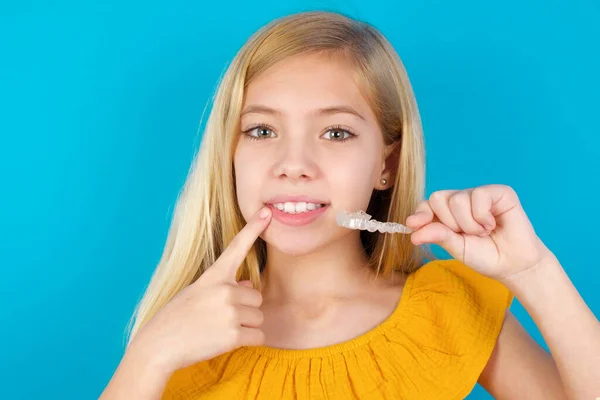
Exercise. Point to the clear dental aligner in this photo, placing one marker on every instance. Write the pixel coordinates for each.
(361, 220)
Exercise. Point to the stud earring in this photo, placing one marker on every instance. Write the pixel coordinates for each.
(383, 181)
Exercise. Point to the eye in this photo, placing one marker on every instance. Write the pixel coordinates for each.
(259, 132)
(338, 134)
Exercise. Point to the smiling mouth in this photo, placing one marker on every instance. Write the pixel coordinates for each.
(297, 207)
(296, 214)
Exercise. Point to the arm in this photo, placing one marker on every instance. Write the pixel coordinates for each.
(487, 229)
(519, 368)
(570, 329)
(137, 377)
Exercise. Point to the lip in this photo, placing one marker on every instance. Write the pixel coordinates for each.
(295, 199)
(299, 219)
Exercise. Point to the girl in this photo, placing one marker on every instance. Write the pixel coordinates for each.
(259, 294)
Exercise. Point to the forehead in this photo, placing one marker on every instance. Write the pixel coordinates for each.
(307, 81)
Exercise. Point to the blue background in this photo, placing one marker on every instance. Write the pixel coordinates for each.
(100, 108)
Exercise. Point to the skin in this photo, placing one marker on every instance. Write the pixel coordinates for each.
(315, 274)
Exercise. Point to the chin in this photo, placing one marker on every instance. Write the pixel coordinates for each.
(296, 243)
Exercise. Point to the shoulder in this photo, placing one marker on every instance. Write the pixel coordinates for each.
(469, 305)
(455, 315)
(457, 280)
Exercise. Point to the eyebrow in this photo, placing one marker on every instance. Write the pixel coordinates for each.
(260, 109)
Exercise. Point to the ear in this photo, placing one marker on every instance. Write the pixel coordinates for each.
(389, 167)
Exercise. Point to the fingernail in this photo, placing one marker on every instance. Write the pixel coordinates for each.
(264, 213)
(245, 283)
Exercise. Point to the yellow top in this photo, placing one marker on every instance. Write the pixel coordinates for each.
(433, 346)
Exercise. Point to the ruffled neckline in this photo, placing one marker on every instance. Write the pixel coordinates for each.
(434, 344)
(391, 321)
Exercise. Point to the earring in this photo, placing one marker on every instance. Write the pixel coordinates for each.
(383, 181)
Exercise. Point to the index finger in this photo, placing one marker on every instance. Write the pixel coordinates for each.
(241, 244)
(423, 215)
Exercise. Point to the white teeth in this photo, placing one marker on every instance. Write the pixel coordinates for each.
(296, 207)
(289, 208)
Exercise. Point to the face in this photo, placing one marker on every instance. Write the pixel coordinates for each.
(310, 144)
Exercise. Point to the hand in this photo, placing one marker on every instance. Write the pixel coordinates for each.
(485, 228)
(213, 315)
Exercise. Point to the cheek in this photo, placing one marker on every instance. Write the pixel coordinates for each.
(248, 178)
(353, 182)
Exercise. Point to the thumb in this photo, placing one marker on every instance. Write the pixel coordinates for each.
(440, 234)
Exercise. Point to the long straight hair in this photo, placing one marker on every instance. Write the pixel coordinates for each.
(207, 216)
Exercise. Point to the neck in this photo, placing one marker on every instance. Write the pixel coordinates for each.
(338, 270)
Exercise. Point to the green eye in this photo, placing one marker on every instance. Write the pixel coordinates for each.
(337, 134)
(263, 132)
(260, 132)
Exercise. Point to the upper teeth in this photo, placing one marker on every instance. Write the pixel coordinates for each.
(295, 208)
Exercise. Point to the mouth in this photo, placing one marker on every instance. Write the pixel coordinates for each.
(297, 207)
(297, 213)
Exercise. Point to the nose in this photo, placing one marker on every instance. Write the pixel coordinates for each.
(296, 162)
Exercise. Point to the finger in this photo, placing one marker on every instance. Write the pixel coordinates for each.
(439, 234)
(423, 215)
(250, 317)
(247, 296)
(230, 260)
(461, 208)
(481, 203)
(251, 337)
(502, 199)
(439, 204)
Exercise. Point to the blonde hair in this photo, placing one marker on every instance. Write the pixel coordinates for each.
(207, 217)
